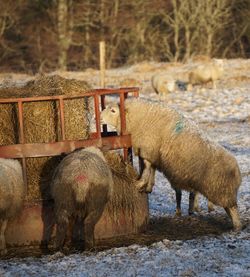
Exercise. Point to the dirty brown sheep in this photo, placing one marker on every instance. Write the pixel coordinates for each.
(12, 191)
(81, 187)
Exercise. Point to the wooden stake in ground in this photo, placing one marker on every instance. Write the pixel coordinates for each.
(102, 63)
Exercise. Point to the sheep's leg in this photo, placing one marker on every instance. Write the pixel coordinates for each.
(3, 225)
(77, 234)
(151, 181)
(210, 206)
(178, 195)
(61, 230)
(196, 202)
(233, 213)
(142, 183)
(89, 227)
(192, 196)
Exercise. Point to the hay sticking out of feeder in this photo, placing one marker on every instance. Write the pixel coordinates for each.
(8, 131)
(42, 123)
(125, 195)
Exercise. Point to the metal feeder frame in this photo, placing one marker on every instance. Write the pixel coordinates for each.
(99, 138)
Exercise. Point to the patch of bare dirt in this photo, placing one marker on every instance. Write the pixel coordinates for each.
(170, 227)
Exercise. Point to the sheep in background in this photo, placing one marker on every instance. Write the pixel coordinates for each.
(168, 141)
(12, 191)
(82, 185)
(163, 85)
(207, 72)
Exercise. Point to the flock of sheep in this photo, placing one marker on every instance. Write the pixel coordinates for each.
(201, 74)
(164, 138)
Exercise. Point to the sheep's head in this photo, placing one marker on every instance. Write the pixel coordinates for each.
(111, 116)
(219, 62)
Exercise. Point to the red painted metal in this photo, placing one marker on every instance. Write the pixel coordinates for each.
(61, 110)
(103, 105)
(122, 114)
(133, 90)
(97, 116)
(20, 120)
(28, 150)
(31, 225)
(21, 139)
(24, 150)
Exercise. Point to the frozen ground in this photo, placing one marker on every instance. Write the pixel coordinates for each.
(225, 115)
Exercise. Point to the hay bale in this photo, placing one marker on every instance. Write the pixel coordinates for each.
(8, 116)
(41, 124)
(125, 195)
(76, 111)
(7, 128)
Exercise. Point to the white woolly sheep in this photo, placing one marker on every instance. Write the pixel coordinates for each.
(173, 144)
(206, 73)
(162, 84)
(12, 191)
(82, 185)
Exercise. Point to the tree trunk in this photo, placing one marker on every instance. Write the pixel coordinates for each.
(63, 35)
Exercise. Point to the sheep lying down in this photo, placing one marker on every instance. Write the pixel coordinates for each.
(168, 141)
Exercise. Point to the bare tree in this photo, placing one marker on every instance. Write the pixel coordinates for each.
(65, 29)
(8, 18)
(197, 26)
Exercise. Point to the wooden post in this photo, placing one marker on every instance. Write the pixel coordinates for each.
(102, 63)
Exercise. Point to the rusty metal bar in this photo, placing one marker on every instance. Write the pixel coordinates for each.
(122, 115)
(97, 115)
(57, 148)
(104, 126)
(20, 121)
(127, 153)
(136, 93)
(61, 111)
(103, 102)
(123, 122)
(23, 150)
(22, 140)
(132, 90)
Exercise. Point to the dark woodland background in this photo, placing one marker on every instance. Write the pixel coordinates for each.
(44, 35)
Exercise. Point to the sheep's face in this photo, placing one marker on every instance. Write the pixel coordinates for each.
(219, 62)
(111, 115)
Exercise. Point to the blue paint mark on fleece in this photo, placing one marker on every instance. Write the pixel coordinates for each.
(179, 126)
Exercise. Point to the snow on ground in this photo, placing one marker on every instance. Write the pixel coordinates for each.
(224, 114)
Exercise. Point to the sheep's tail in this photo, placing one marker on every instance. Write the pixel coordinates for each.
(81, 188)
